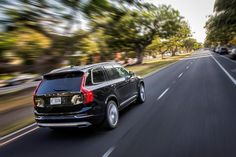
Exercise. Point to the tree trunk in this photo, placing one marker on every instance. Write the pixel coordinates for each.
(139, 55)
(126, 57)
(174, 51)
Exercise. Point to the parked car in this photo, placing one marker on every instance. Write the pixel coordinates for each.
(81, 96)
(222, 50)
(232, 55)
(217, 49)
(213, 49)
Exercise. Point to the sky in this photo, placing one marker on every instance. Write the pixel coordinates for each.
(194, 11)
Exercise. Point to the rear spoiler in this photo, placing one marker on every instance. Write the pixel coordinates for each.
(62, 74)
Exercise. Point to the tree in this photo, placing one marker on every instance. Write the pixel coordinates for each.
(52, 18)
(221, 26)
(58, 20)
(29, 45)
(160, 46)
(7, 41)
(137, 29)
(190, 44)
(178, 39)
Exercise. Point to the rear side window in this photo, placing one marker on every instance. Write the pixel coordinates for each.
(122, 71)
(60, 83)
(112, 72)
(98, 75)
(89, 79)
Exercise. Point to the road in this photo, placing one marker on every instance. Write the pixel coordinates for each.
(190, 111)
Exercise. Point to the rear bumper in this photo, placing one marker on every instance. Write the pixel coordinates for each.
(67, 120)
(71, 124)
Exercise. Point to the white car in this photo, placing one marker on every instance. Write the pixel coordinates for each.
(233, 54)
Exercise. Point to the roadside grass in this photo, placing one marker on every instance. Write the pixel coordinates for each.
(16, 125)
(11, 102)
(16, 100)
(155, 64)
(6, 76)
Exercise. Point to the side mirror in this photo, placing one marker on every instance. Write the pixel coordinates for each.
(131, 73)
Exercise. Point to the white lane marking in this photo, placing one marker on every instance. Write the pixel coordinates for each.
(13, 133)
(18, 136)
(108, 152)
(225, 71)
(180, 75)
(187, 67)
(162, 94)
(228, 59)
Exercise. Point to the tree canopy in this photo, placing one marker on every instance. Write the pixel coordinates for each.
(137, 29)
(221, 26)
(92, 27)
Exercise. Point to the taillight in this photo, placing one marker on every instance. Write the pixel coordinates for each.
(87, 94)
(35, 91)
(39, 102)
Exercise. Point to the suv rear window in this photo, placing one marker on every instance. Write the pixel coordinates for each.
(60, 83)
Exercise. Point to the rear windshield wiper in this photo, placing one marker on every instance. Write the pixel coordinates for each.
(60, 90)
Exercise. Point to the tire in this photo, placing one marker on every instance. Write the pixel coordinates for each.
(141, 94)
(111, 116)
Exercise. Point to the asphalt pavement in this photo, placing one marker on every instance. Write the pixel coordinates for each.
(190, 111)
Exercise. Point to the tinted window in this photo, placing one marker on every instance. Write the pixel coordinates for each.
(112, 73)
(98, 75)
(122, 71)
(89, 79)
(60, 83)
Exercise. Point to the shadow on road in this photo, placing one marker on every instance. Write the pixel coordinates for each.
(88, 132)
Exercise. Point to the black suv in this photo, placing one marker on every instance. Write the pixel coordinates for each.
(81, 96)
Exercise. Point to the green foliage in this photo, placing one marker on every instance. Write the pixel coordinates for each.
(29, 45)
(137, 29)
(52, 29)
(7, 41)
(221, 27)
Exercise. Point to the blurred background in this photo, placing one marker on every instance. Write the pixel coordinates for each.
(37, 36)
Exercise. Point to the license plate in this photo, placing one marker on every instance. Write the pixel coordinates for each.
(55, 101)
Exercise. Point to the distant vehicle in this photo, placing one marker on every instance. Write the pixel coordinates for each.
(232, 55)
(81, 96)
(214, 49)
(222, 50)
(217, 49)
(19, 79)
